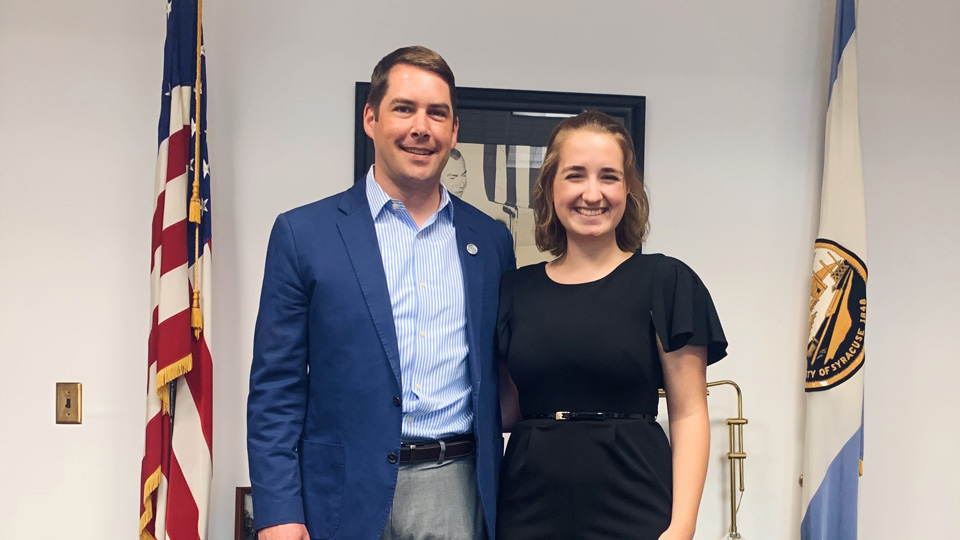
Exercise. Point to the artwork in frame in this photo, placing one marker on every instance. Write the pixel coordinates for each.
(244, 528)
(501, 142)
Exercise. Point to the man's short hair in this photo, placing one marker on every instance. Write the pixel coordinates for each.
(415, 56)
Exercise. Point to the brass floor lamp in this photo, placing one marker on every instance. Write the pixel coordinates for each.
(735, 456)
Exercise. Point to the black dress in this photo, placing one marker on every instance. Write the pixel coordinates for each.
(590, 347)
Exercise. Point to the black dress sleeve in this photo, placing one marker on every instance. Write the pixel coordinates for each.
(683, 312)
(505, 314)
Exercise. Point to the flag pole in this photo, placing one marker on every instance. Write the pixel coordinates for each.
(196, 207)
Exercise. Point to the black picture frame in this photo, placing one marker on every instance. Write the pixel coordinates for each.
(517, 124)
(631, 109)
(243, 527)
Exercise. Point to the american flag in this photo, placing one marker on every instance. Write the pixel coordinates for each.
(177, 457)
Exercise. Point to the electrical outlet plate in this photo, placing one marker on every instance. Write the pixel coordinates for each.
(69, 403)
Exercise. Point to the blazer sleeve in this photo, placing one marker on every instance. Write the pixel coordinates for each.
(277, 400)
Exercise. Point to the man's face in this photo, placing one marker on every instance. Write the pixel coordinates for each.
(455, 176)
(414, 130)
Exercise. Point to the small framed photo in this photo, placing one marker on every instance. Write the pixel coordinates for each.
(501, 143)
(244, 528)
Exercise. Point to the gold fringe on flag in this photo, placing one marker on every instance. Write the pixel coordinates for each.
(151, 485)
(167, 375)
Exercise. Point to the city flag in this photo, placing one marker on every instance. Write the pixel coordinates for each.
(833, 444)
(177, 457)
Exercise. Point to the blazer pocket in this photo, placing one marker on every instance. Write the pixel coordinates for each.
(321, 477)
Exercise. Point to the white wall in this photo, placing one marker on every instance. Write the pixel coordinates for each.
(910, 113)
(736, 94)
(79, 102)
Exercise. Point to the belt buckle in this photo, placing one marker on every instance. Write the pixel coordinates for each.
(561, 415)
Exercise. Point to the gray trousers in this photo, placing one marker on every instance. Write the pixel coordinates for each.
(436, 502)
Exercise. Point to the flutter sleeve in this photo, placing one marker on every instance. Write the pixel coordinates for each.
(683, 312)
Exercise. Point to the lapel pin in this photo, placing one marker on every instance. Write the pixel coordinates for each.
(472, 249)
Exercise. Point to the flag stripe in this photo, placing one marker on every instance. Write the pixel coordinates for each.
(201, 378)
(172, 343)
(182, 514)
(832, 512)
(175, 192)
(174, 289)
(156, 233)
(830, 427)
(842, 212)
(178, 155)
(845, 25)
(160, 514)
(175, 239)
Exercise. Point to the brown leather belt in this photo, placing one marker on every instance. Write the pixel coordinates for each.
(418, 452)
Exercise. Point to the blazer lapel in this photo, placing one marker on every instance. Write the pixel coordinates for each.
(360, 239)
(471, 265)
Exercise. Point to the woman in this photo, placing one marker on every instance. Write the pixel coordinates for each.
(585, 341)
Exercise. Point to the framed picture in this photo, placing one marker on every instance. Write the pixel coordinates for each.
(243, 524)
(500, 147)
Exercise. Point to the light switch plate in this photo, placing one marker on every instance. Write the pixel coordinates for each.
(69, 403)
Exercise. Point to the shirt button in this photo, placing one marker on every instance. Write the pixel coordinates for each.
(418, 386)
(423, 284)
(395, 206)
(391, 457)
(423, 334)
(409, 419)
(396, 401)
(418, 235)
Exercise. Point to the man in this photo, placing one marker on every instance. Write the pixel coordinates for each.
(373, 407)
(454, 176)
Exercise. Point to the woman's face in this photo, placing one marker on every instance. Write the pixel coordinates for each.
(590, 191)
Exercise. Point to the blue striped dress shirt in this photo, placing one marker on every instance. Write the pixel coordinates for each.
(426, 287)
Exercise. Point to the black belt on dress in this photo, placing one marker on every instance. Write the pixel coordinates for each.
(454, 447)
(569, 415)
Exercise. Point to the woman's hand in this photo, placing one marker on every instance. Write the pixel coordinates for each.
(675, 534)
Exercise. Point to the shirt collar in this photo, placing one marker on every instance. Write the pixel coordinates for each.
(378, 199)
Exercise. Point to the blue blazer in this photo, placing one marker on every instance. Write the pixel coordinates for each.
(323, 411)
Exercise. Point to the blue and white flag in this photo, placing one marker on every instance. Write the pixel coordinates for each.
(833, 444)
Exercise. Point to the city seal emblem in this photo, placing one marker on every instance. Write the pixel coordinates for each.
(838, 314)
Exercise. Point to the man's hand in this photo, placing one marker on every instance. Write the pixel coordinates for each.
(286, 531)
